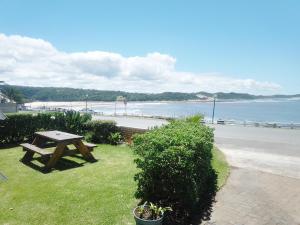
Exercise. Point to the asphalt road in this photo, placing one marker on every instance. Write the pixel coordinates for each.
(269, 150)
(264, 183)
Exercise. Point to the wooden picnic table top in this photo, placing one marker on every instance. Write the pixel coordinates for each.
(58, 136)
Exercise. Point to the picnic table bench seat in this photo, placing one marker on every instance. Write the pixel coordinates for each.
(90, 146)
(44, 152)
(35, 149)
(74, 151)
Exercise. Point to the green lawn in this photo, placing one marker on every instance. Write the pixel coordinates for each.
(94, 193)
(220, 164)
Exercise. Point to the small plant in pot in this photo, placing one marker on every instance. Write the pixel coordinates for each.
(149, 214)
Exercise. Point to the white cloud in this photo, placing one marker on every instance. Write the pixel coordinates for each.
(35, 62)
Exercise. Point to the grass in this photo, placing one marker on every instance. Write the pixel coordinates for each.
(95, 193)
(221, 166)
(90, 193)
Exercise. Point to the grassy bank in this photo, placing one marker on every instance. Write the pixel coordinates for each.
(97, 193)
(220, 164)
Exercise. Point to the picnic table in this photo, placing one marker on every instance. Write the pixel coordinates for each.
(60, 140)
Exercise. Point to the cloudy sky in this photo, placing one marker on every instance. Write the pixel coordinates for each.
(154, 47)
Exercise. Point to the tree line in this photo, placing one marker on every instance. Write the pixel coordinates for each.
(21, 94)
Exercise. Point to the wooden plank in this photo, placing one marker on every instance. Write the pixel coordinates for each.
(89, 145)
(58, 136)
(35, 149)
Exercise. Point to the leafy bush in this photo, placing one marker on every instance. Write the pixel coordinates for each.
(100, 131)
(19, 127)
(115, 138)
(175, 167)
(195, 118)
(16, 128)
(74, 122)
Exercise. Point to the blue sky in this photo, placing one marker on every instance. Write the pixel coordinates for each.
(257, 40)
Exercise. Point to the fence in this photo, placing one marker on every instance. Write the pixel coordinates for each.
(256, 124)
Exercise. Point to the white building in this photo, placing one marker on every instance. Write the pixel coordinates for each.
(2, 116)
(6, 105)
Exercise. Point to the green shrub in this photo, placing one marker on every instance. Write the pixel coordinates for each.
(175, 167)
(100, 131)
(16, 128)
(20, 127)
(195, 118)
(115, 138)
(74, 122)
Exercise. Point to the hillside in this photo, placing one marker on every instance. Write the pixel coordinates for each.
(71, 94)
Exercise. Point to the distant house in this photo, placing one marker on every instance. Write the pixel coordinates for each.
(2, 116)
(3, 98)
(6, 105)
(202, 97)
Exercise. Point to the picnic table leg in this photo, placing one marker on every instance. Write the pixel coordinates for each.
(57, 154)
(28, 156)
(38, 141)
(84, 150)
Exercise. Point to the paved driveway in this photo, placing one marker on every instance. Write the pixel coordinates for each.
(264, 184)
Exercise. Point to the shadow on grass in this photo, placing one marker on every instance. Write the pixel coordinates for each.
(6, 146)
(61, 165)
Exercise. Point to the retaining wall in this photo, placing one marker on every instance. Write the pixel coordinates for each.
(128, 132)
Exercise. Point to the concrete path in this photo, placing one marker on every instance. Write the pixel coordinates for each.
(134, 122)
(252, 197)
(264, 184)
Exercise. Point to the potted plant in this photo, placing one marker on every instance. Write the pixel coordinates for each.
(149, 214)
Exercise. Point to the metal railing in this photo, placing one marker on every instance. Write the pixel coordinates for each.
(256, 124)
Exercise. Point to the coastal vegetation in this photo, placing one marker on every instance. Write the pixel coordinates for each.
(20, 127)
(57, 198)
(99, 131)
(72, 94)
(29, 94)
(221, 166)
(175, 168)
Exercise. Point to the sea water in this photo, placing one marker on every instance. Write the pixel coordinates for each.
(279, 111)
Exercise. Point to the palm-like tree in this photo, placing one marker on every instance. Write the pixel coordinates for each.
(12, 94)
